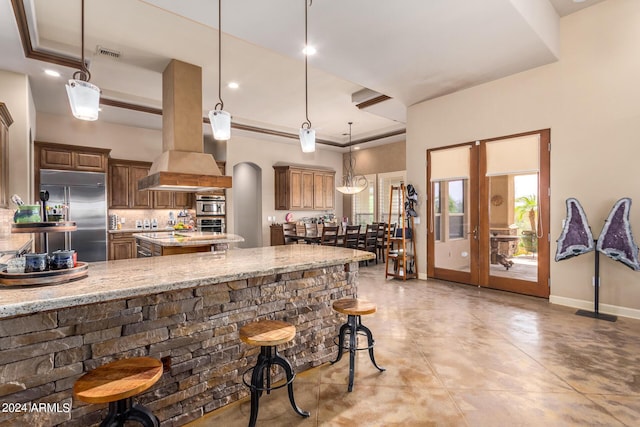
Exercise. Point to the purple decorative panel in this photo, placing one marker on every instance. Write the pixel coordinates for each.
(576, 237)
(616, 240)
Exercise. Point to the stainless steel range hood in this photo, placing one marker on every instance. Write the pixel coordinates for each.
(183, 165)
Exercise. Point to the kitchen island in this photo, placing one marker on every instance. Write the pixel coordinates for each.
(185, 310)
(173, 242)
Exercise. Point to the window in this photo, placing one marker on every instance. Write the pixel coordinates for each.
(449, 209)
(364, 203)
(456, 207)
(385, 181)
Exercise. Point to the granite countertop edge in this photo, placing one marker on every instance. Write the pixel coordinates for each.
(148, 276)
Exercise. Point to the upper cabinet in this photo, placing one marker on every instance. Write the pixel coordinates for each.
(123, 185)
(5, 122)
(299, 188)
(124, 194)
(70, 157)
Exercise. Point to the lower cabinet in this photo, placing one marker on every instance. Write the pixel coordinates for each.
(121, 246)
(147, 249)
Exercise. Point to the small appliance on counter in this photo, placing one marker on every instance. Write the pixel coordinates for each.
(172, 219)
(154, 223)
(146, 224)
(139, 224)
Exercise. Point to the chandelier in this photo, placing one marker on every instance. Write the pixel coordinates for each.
(307, 134)
(351, 183)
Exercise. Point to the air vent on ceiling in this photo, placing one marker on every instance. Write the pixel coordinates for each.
(103, 51)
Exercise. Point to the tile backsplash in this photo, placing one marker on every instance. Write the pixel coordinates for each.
(162, 215)
(6, 218)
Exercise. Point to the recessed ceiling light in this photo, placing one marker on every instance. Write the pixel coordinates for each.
(309, 50)
(233, 85)
(52, 73)
(356, 148)
(578, 1)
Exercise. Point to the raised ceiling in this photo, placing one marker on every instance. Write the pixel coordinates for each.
(410, 51)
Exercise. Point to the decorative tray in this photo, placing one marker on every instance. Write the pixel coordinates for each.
(38, 278)
(44, 227)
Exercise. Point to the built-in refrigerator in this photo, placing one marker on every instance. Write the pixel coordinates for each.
(85, 195)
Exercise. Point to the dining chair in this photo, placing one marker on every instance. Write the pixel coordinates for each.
(310, 229)
(370, 241)
(290, 233)
(329, 235)
(351, 236)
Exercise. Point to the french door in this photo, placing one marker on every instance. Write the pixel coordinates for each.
(488, 213)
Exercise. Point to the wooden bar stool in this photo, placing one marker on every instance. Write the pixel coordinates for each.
(116, 383)
(354, 308)
(268, 334)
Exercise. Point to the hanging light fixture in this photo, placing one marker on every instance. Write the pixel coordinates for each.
(351, 183)
(84, 97)
(307, 135)
(220, 119)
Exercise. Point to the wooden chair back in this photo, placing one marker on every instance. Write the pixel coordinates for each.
(310, 229)
(351, 236)
(329, 235)
(289, 229)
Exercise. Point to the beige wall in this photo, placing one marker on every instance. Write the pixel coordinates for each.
(381, 159)
(266, 153)
(15, 92)
(126, 142)
(590, 101)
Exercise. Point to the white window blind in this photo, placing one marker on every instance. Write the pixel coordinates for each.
(513, 155)
(450, 163)
(363, 205)
(385, 181)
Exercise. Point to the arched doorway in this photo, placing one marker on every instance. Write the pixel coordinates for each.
(247, 204)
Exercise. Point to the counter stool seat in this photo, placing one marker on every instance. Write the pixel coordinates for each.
(116, 383)
(268, 334)
(354, 308)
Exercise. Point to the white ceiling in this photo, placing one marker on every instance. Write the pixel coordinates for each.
(410, 50)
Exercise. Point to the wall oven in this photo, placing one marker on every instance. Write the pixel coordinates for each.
(207, 205)
(211, 223)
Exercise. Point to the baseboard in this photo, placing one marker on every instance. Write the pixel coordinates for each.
(603, 308)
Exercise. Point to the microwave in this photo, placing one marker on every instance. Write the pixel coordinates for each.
(210, 205)
(214, 224)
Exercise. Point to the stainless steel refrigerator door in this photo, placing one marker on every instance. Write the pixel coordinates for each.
(85, 195)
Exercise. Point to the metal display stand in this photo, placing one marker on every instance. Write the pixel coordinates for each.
(596, 299)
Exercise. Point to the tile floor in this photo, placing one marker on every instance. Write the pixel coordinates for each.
(458, 355)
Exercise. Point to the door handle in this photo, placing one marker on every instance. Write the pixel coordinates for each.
(474, 232)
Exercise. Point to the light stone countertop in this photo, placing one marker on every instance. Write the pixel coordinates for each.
(188, 238)
(112, 280)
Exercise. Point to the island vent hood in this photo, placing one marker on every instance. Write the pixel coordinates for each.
(183, 164)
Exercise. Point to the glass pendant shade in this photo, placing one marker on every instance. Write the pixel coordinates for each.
(220, 124)
(308, 140)
(353, 185)
(84, 98)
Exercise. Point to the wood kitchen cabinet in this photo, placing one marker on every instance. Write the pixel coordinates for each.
(121, 246)
(70, 157)
(124, 193)
(299, 188)
(5, 122)
(123, 185)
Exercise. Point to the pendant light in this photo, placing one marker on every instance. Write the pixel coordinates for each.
(351, 184)
(307, 135)
(84, 97)
(220, 119)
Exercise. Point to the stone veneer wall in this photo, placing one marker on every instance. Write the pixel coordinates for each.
(42, 355)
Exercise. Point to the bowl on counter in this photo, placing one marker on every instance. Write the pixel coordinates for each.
(61, 260)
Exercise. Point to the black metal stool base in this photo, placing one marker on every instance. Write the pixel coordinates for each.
(269, 356)
(125, 410)
(352, 327)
